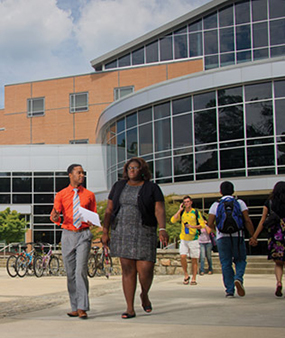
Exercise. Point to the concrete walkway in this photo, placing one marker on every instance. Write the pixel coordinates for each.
(36, 307)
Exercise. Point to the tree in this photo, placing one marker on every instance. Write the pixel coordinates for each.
(97, 231)
(12, 226)
(173, 229)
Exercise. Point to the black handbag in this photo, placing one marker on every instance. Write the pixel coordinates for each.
(272, 219)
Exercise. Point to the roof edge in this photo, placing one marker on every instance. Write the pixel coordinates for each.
(164, 28)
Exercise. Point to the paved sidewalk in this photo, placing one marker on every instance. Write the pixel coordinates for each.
(36, 307)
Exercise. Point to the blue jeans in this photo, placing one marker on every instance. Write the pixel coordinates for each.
(232, 250)
(205, 251)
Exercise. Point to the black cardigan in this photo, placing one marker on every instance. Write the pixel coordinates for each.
(148, 195)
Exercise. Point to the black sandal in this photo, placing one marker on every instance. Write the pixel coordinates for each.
(126, 315)
(147, 308)
(186, 280)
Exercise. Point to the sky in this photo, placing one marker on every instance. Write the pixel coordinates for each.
(44, 39)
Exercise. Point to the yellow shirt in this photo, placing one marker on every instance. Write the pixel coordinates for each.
(190, 218)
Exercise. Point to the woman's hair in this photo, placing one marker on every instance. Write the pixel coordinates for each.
(278, 196)
(145, 173)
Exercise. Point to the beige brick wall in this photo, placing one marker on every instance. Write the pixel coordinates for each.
(59, 126)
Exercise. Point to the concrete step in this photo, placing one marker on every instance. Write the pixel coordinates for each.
(255, 264)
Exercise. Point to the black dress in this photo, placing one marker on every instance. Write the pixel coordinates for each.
(276, 238)
(129, 237)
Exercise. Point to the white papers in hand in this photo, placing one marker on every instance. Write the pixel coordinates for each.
(87, 215)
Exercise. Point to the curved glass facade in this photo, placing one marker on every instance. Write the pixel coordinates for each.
(223, 133)
(236, 32)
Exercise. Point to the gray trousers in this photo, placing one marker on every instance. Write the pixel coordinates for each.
(75, 248)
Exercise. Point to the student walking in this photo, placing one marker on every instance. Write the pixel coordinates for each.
(231, 218)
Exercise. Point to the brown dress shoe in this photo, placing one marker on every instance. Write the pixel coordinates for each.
(82, 314)
(73, 314)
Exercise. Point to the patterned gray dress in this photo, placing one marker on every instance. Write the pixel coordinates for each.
(129, 237)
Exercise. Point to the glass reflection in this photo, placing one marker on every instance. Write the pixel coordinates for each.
(260, 156)
(181, 105)
(211, 42)
(226, 40)
(242, 12)
(121, 147)
(258, 91)
(163, 168)
(210, 21)
(182, 131)
(23, 184)
(206, 161)
(138, 56)
(162, 110)
(195, 45)
(162, 135)
(260, 35)
(226, 17)
(259, 119)
(145, 115)
(230, 96)
(5, 184)
(231, 123)
(180, 46)
(280, 119)
(276, 27)
(152, 52)
(132, 143)
(44, 184)
(205, 100)
(259, 10)
(243, 37)
(166, 48)
(232, 159)
(124, 61)
(145, 139)
(202, 119)
(279, 87)
(183, 165)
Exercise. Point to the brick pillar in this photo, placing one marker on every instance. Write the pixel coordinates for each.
(29, 238)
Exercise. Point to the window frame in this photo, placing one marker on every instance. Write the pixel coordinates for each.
(118, 90)
(30, 107)
(72, 103)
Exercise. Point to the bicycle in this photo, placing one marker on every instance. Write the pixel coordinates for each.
(24, 262)
(99, 262)
(11, 262)
(47, 263)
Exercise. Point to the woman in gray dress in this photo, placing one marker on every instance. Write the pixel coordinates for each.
(135, 207)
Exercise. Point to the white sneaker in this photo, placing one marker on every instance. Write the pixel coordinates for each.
(240, 288)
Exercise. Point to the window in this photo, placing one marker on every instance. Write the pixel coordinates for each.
(36, 107)
(78, 102)
(122, 91)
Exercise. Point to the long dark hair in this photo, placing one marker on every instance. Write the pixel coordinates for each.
(278, 197)
(144, 169)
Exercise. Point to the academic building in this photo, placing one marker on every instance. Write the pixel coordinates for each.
(201, 99)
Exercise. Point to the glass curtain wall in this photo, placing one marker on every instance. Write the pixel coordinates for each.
(228, 132)
(240, 32)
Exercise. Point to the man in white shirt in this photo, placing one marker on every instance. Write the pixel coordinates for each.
(231, 247)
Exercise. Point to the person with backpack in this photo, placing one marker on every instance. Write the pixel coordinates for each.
(231, 216)
(191, 223)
